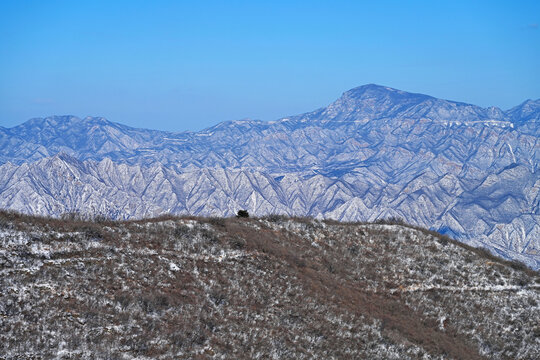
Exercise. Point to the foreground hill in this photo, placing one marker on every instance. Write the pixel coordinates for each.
(374, 153)
(257, 288)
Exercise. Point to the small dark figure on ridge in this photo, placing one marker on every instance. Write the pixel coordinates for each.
(242, 214)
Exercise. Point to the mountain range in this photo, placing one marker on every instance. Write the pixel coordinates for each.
(374, 153)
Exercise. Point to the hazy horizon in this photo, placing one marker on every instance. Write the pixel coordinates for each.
(178, 66)
(149, 126)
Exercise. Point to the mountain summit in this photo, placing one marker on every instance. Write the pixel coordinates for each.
(377, 93)
(371, 101)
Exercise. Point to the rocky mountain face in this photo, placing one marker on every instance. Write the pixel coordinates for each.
(374, 153)
(267, 288)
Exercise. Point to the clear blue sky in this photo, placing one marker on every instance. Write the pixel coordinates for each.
(186, 65)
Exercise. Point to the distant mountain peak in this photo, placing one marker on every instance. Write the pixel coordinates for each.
(373, 101)
(41, 121)
(64, 121)
(528, 112)
(379, 91)
(372, 87)
(531, 105)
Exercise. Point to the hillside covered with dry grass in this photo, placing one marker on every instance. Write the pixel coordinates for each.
(274, 287)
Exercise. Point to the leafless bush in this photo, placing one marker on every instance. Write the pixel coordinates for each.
(276, 218)
(181, 231)
(394, 220)
(92, 232)
(209, 236)
(518, 265)
(237, 243)
(124, 300)
(73, 215)
(217, 221)
(218, 297)
(4, 224)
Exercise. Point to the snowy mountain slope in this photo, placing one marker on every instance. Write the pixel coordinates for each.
(83, 138)
(61, 184)
(375, 152)
(361, 122)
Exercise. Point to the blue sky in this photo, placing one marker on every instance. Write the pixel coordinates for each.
(187, 65)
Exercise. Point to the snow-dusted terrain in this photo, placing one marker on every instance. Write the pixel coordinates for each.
(374, 153)
(269, 288)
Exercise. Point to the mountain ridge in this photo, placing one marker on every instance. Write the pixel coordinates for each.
(355, 93)
(468, 171)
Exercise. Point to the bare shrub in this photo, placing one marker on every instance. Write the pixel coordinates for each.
(181, 231)
(237, 243)
(92, 232)
(276, 218)
(72, 215)
(394, 220)
(518, 265)
(217, 297)
(217, 221)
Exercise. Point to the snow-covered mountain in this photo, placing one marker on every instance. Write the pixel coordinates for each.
(376, 152)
